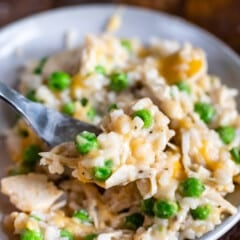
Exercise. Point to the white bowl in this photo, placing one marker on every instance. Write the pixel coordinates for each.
(44, 34)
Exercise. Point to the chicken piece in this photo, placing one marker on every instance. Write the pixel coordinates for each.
(30, 192)
(67, 61)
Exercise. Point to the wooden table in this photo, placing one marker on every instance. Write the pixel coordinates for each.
(221, 17)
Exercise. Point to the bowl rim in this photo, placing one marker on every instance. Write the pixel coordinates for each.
(112, 6)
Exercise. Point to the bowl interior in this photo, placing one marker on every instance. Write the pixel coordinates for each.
(44, 34)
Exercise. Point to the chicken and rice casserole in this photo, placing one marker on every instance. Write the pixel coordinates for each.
(167, 156)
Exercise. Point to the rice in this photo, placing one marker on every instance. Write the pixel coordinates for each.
(160, 112)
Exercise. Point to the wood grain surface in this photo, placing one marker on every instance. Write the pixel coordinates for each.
(221, 17)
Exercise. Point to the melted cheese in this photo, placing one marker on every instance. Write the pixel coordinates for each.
(175, 67)
(178, 170)
(76, 85)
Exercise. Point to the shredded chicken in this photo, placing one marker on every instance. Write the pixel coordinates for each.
(30, 192)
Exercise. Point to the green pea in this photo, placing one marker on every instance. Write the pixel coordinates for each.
(68, 108)
(39, 68)
(31, 95)
(31, 155)
(102, 173)
(91, 236)
(31, 235)
(146, 116)
(91, 114)
(165, 209)
(147, 206)
(85, 142)
(19, 170)
(100, 69)
(18, 116)
(23, 133)
(118, 81)
(235, 155)
(183, 87)
(192, 187)
(226, 133)
(112, 106)
(126, 44)
(67, 235)
(108, 163)
(201, 212)
(205, 111)
(82, 216)
(35, 217)
(134, 221)
(59, 81)
(84, 102)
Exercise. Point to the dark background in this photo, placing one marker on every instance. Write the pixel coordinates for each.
(221, 17)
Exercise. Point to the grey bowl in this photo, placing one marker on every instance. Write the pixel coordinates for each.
(43, 34)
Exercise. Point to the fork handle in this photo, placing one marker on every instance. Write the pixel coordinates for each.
(30, 110)
(16, 100)
(50, 125)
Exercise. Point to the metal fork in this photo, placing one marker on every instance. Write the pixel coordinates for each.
(51, 126)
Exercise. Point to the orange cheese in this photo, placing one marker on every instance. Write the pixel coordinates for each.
(76, 84)
(175, 68)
